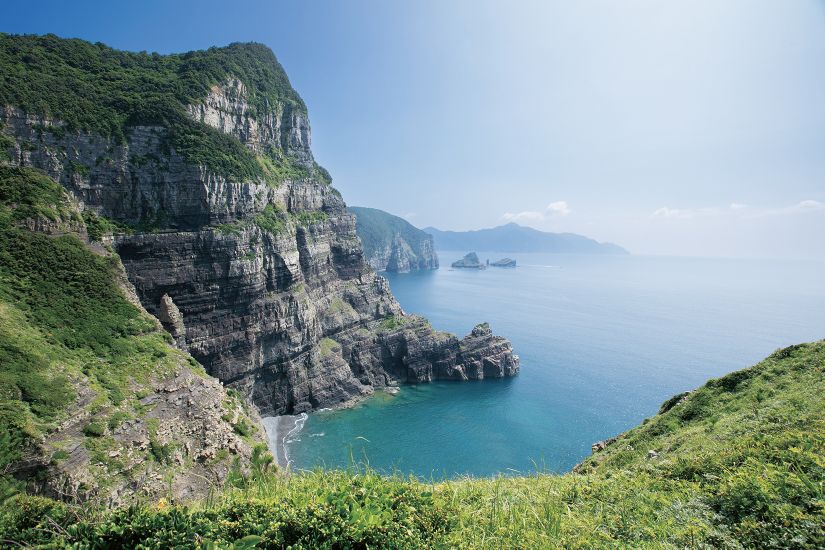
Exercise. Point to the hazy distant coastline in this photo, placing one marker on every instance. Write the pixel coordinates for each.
(515, 238)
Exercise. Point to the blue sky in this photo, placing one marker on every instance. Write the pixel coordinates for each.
(681, 127)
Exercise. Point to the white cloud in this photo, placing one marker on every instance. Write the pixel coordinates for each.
(665, 212)
(409, 215)
(524, 216)
(807, 206)
(800, 208)
(559, 207)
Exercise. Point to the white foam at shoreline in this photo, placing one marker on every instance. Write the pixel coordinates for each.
(299, 424)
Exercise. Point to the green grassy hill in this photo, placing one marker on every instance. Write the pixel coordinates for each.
(78, 359)
(739, 464)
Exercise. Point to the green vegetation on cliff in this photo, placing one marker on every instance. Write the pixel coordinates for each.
(94, 88)
(63, 318)
(737, 464)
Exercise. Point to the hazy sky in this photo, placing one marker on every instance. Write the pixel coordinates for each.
(683, 127)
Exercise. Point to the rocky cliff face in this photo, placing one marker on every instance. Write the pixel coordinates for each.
(397, 256)
(272, 291)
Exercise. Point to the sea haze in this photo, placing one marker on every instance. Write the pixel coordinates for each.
(603, 341)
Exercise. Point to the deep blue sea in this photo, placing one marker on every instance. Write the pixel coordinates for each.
(603, 341)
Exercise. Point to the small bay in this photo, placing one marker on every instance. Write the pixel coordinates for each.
(603, 341)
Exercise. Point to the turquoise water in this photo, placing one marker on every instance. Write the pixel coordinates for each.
(603, 341)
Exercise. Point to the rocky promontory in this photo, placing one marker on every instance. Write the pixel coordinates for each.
(470, 261)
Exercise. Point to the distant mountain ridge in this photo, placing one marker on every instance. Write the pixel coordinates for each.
(515, 238)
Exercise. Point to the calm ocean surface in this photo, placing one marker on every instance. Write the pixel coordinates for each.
(603, 341)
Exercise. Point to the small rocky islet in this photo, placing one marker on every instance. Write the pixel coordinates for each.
(504, 262)
(470, 261)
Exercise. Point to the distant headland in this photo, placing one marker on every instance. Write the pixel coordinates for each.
(515, 238)
(392, 243)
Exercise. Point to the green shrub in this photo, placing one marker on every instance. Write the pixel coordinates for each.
(60, 455)
(118, 418)
(29, 520)
(94, 429)
(6, 143)
(392, 322)
(322, 175)
(226, 229)
(79, 168)
(271, 221)
(160, 452)
(34, 194)
(97, 226)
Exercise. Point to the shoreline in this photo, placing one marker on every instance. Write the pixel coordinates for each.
(278, 429)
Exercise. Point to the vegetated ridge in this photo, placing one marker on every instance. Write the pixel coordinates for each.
(736, 464)
(515, 238)
(195, 172)
(392, 243)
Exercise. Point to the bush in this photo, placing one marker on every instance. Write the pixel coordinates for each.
(60, 455)
(94, 429)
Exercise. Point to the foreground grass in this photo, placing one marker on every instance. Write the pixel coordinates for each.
(740, 465)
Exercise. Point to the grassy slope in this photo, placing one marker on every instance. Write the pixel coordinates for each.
(71, 345)
(740, 465)
(61, 313)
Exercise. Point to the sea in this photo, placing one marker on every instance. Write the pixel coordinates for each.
(602, 340)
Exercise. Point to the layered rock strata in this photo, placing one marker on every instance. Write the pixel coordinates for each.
(273, 293)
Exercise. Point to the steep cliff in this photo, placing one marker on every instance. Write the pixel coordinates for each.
(392, 243)
(256, 250)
